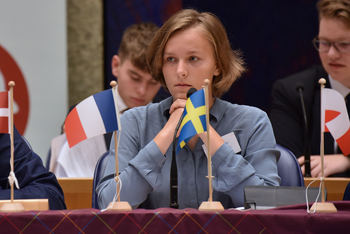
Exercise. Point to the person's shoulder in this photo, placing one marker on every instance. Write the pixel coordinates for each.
(287, 87)
(307, 76)
(251, 110)
(240, 109)
(246, 117)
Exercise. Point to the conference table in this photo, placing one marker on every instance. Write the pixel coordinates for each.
(335, 186)
(288, 219)
(78, 191)
(84, 219)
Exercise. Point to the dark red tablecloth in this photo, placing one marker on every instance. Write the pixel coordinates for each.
(289, 219)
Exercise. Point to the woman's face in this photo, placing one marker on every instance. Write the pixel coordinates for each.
(188, 60)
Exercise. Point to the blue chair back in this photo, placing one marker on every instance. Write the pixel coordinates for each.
(346, 196)
(98, 174)
(289, 168)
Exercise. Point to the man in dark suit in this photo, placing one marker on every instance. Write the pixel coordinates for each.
(287, 118)
(34, 181)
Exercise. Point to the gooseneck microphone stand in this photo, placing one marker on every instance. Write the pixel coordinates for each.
(173, 173)
(307, 150)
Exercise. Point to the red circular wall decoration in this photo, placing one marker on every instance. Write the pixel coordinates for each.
(11, 72)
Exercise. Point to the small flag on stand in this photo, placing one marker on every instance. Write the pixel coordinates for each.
(332, 114)
(334, 117)
(96, 115)
(4, 112)
(194, 121)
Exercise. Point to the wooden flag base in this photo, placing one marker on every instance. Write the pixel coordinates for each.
(12, 207)
(27, 204)
(119, 206)
(211, 206)
(324, 207)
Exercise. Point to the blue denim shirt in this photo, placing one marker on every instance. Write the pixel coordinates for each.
(145, 171)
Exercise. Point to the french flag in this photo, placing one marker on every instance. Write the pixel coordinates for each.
(4, 112)
(96, 115)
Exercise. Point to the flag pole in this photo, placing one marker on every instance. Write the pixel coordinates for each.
(323, 207)
(209, 205)
(117, 205)
(12, 206)
(117, 180)
(11, 84)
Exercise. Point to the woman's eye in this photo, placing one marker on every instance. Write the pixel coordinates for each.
(193, 58)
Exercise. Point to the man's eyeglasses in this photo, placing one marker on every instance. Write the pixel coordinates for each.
(324, 46)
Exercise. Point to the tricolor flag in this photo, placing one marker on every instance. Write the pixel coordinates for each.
(334, 118)
(4, 112)
(96, 115)
(194, 118)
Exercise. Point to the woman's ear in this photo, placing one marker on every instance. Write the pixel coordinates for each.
(217, 71)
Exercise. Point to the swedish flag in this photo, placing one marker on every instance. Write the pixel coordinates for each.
(194, 118)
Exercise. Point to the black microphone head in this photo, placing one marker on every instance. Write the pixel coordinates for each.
(191, 91)
(300, 86)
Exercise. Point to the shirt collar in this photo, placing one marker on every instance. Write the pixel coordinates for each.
(121, 104)
(336, 85)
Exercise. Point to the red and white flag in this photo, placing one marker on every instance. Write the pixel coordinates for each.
(334, 118)
(4, 112)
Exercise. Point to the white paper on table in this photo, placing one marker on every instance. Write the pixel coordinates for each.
(231, 140)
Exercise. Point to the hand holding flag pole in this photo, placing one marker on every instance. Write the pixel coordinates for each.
(323, 207)
(117, 205)
(209, 205)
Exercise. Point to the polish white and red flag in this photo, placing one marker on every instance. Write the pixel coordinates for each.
(4, 112)
(95, 115)
(335, 119)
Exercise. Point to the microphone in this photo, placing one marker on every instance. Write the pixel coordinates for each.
(307, 149)
(173, 170)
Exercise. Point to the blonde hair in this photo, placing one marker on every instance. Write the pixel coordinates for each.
(135, 41)
(228, 61)
(337, 9)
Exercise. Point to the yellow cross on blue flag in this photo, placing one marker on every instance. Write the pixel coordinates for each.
(194, 118)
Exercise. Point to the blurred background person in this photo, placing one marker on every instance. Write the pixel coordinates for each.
(136, 87)
(333, 45)
(34, 181)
